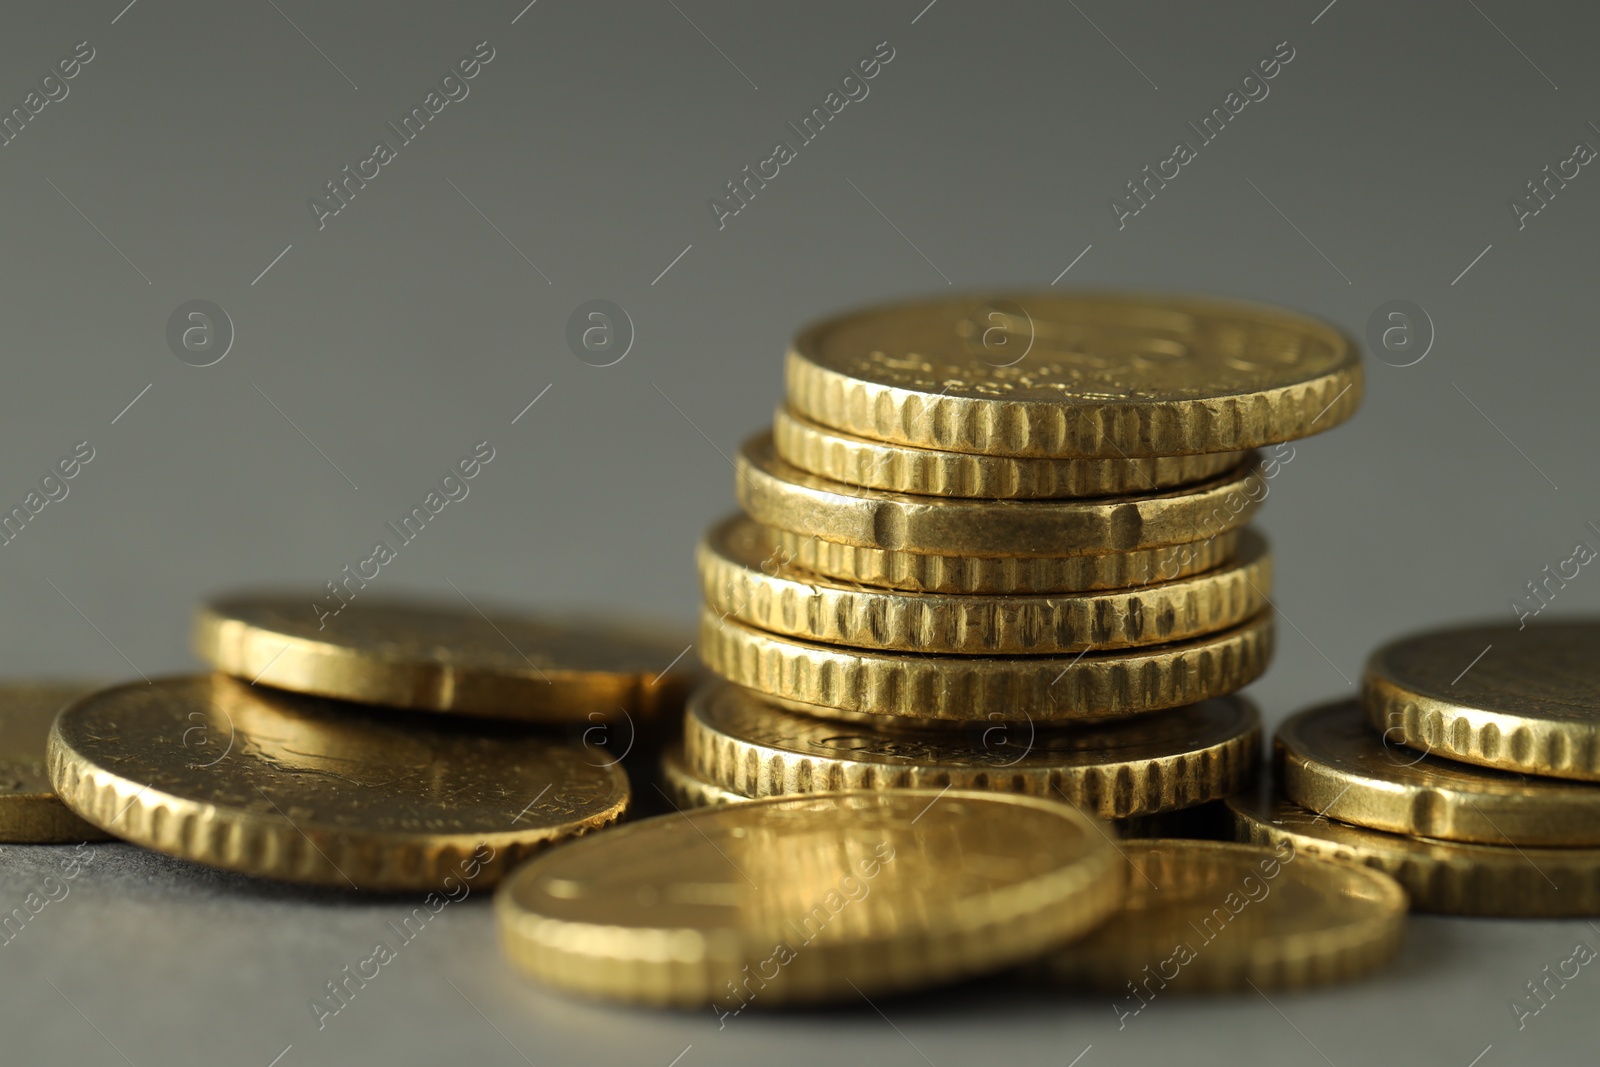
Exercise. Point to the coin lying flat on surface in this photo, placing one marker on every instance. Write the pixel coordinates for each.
(30, 811)
(740, 576)
(804, 899)
(1041, 689)
(687, 789)
(433, 657)
(1448, 877)
(1333, 762)
(841, 457)
(1053, 374)
(1155, 763)
(776, 494)
(924, 573)
(210, 769)
(1204, 916)
(1515, 698)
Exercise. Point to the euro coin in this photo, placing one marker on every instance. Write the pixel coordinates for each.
(788, 900)
(776, 494)
(1213, 916)
(687, 789)
(740, 576)
(1447, 877)
(841, 457)
(1514, 698)
(1041, 689)
(30, 811)
(1155, 763)
(1001, 575)
(1067, 376)
(434, 657)
(213, 770)
(1333, 762)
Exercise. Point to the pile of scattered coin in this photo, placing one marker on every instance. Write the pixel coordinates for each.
(993, 586)
(1467, 770)
(1009, 544)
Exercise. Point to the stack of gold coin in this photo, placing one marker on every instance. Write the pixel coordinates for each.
(1469, 769)
(1000, 543)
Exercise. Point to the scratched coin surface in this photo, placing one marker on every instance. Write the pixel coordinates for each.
(1042, 689)
(1518, 698)
(1447, 877)
(1333, 762)
(1003, 575)
(743, 575)
(30, 811)
(776, 494)
(842, 457)
(1061, 375)
(804, 899)
(1155, 763)
(255, 780)
(447, 657)
(1211, 916)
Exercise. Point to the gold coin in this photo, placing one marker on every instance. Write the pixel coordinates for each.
(1002, 575)
(805, 899)
(1333, 762)
(689, 790)
(1043, 689)
(831, 454)
(1211, 916)
(776, 494)
(1448, 877)
(1049, 374)
(430, 657)
(1156, 763)
(741, 576)
(30, 811)
(268, 783)
(1499, 696)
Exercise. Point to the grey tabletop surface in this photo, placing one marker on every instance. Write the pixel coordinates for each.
(362, 334)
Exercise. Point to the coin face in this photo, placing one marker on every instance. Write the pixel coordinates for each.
(1155, 763)
(1211, 916)
(809, 898)
(1448, 877)
(1520, 699)
(1335, 763)
(263, 782)
(438, 657)
(30, 811)
(1052, 374)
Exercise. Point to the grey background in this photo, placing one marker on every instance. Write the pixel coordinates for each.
(409, 328)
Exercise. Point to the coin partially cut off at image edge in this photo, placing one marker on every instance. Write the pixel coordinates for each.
(776, 494)
(1518, 698)
(1331, 760)
(1159, 762)
(743, 575)
(1072, 375)
(806, 899)
(435, 657)
(1213, 916)
(843, 457)
(30, 811)
(828, 680)
(919, 572)
(209, 769)
(1445, 877)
